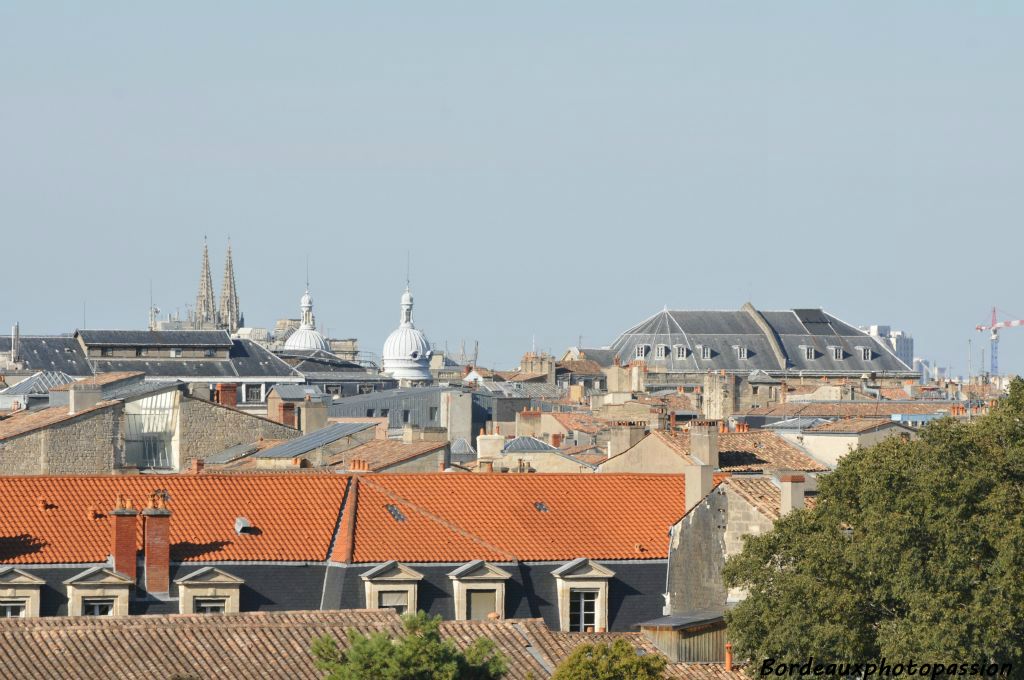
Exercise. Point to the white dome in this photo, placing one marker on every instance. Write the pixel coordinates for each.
(406, 352)
(307, 300)
(307, 338)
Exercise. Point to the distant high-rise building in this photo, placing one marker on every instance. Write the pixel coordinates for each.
(901, 343)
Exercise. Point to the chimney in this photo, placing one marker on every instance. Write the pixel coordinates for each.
(197, 466)
(672, 421)
(15, 342)
(83, 397)
(489, 446)
(792, 497)
(556, 440)
(704, 442)
(728, 657)
(122, 537)
(486, 466)
(313, 414)
(156, 530)
(408, 433)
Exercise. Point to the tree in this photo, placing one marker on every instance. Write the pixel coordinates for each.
(913, 551)
(618, 661)
(420, 654)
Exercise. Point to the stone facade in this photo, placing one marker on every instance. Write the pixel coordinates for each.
(207, 428)
(90, 443)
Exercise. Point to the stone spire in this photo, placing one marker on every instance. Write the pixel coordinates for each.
(206, 305)
(230, 316)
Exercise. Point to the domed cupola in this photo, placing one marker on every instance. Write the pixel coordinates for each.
(307, 337)
(406, 351)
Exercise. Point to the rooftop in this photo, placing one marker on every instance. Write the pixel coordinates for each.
(380, 454)
(756, 451)
(762, 493)
(854, 426)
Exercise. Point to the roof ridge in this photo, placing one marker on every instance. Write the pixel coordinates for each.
(438, 520)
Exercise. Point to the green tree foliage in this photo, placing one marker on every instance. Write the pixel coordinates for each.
(915, 549)
(420, 654)
(618, 661)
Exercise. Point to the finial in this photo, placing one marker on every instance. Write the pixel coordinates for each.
(408, 261)
(307, 272)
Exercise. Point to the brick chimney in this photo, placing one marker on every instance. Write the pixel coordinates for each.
(156, 532)
(792, 495)
(227, 394)
(486, 466)
(122, 537)
(556, 440)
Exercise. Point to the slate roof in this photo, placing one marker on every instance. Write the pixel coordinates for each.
(293, 392)
(524, 444)
(851, 409)
(275, 645)
(724, 331)
(107, 338)
(50, 353)
(314, 440)
(503, 517)
(39, 383)
(49, 520)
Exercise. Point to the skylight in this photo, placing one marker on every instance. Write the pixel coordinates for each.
(541, 507)
(396, 513)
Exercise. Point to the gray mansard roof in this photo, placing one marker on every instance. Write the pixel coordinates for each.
(774, 342)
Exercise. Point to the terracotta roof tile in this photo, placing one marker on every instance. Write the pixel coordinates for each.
(256, 645)
(98, 380)
(295, 516)
(762, 493)
(383, 453)
(527, 517)
(580, 366)
(859, 409)
(24, 422)
(580, 422)
(755, 451)
(852, 426)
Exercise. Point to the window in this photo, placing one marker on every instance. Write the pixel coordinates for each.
(107, 352)
(661, 352)
(481, 603)
(753, 390)
(10, 609)
(809, 353)
(99, 606)
(433, 414)
(682, 352)
(209, 605)
(369, 413)
(141, 351)
(741, 352)
(865, 353)
(384, 412)
(175, 352)
(837, 353)
(405, 416)
(209, 352)
(705, 352)
(393, 599)
(254, 393)
(641, 351)
(582, 610)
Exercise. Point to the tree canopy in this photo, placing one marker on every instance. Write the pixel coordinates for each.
(914, 549)
(618, 661)
(420, 654)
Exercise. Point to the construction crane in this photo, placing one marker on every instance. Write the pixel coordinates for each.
(994, 338)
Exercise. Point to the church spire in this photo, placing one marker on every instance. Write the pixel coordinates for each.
(206, 309)
(230, 316)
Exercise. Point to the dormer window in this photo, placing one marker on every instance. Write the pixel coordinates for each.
(175, 352)
(865, 353)
(837, 353)
(661, 351)
(141, 351)
(809, 353)
(682, 351)
(741, 352)
(107, 352)
(705, 352)
(641, 351)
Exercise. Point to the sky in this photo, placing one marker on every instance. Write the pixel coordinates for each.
(554, 171)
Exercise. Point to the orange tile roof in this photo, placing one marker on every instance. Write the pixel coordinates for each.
(579, 422)
(755, 451)
(295, 515)
(450, 517)
(24, 422)
(383, 453)
(580, 366)
(98, 380)
(762, 494)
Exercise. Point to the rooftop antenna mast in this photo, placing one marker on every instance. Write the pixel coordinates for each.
(408, 267)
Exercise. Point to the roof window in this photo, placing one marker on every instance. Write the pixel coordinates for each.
(540, 506)
(661, 352)
(682, 351)
(396, 513)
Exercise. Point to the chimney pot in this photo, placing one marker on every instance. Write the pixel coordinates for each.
(728, 657)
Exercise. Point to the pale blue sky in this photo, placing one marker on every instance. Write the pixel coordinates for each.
(555, 169)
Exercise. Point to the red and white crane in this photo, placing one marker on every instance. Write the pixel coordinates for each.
(994, 338)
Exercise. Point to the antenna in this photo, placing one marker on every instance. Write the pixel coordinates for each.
(307, 272)
(83, 314)
(408, 266)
